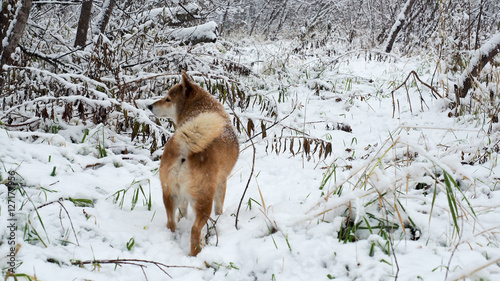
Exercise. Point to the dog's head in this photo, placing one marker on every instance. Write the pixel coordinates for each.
(171, 105)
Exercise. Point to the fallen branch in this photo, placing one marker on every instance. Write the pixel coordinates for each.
(136, 262)
(204, 33)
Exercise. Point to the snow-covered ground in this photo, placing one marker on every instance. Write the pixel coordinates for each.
(422, 187)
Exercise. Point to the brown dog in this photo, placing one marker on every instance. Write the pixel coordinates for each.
(198, 158)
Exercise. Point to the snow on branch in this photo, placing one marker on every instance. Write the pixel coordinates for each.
(173, 16)
(398, 24)
(77, 85)
(479, 59)
(198, 34)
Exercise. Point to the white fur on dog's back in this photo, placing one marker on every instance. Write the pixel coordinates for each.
(197, 134)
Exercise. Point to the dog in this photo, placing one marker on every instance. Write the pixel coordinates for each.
(198, 158)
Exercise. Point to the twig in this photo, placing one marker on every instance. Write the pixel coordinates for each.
(382, 53)
(418, 78)
(53, 61)
(36, 119)
(274, 124)
(187, 11)
(137, 262)
(49, 203)
(144, 272)
(453, 253)
(67, 213)
(70, 222)
(304, 132)
(391, 243)
(465, 275)
(249, 178)
(147, 78)
(72, 2)
(214, 222)
(251, 172)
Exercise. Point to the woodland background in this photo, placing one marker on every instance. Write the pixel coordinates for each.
(369, 137)
(94, 50)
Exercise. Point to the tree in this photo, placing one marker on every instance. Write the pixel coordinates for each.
(398, 24)
(83, 23)
(485, 54)
(107, 9)
(13, 18)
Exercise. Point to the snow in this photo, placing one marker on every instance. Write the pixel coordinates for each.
(172, 12)
(206, 30)
(288, 227)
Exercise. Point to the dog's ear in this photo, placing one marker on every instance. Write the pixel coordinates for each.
(187, 84)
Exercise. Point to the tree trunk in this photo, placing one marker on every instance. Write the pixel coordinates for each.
(13, 19)
(485, 54)
(83, 23)
(107, 9)
(398, 24)
(476, 45)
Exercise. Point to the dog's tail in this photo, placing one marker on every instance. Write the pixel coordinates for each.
(199, 132)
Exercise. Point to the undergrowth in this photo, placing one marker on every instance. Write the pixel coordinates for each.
(373, 198)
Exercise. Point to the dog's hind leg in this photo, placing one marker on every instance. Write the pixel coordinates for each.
(171, 203)
(220, 194)
(202, 208)
(183, 210)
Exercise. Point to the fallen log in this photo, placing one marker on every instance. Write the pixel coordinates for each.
(204, 33)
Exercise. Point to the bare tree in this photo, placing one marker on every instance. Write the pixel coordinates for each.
(83, 23)
(13, 19)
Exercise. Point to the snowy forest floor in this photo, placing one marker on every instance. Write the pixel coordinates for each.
(409, 191)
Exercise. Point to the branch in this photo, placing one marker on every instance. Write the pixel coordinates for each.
(53, 61)
(137, 262)
(73, 2)
(67, 213)
(251, 172)
(249, 179)
(485, 54)
(250, 138)
(187, 11)
(420, 80)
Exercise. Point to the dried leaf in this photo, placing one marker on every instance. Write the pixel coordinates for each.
(307, 146)
(135, 131)
(328, 149)
(263, 128)
(250, 127)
